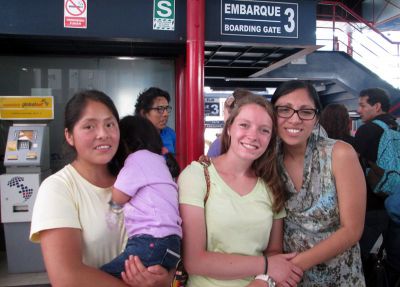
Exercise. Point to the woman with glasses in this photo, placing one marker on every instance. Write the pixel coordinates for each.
(153, 104)
(325, 189)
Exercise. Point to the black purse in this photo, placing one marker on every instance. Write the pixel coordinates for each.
(375, 270)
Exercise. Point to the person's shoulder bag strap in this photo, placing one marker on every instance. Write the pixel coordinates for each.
(205, 161)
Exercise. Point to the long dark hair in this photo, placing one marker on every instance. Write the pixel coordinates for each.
(138, 133)
(73, 113)
(266, 166)
(335, 120)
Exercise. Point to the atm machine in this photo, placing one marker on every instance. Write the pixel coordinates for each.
(27, 162)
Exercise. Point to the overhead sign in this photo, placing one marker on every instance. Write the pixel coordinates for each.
(259, 18)
(26, 108)
(164, 15)
(75, 14)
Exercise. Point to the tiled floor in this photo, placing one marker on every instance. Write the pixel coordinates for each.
(20, 279)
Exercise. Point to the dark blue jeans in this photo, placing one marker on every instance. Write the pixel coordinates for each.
(151, 251)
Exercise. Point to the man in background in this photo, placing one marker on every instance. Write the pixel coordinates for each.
(374, 104)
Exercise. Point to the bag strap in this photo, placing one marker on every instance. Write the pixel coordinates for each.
(205, 161)
(376, 169)
(381, 124)
(181, 275)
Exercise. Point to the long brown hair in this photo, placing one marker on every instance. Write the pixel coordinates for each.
(335, 120)
(266, 166)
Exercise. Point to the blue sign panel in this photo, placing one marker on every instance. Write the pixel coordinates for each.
(212, 109)
(259, 18)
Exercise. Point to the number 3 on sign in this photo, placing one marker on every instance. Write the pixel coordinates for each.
(290, 13)
(215, 110)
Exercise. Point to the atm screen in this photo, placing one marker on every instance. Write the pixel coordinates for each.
(25, 139)
(25, 135)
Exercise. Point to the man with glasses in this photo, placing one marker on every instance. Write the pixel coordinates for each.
(153, 104)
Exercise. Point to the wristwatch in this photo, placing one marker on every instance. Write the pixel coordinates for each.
(266, 278)
(115, 207)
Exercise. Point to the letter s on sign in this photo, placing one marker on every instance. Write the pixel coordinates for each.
(165, 10)
(290, 28)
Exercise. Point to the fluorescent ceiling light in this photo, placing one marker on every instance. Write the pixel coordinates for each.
(259, 79)
(126, 58)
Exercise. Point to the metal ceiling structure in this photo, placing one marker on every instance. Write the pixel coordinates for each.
(245, 66)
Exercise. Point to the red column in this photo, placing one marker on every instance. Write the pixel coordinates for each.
(180, 127)
(194, 139)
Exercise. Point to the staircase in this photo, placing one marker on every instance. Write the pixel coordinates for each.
(348, 32)
(337, 77)
(354, 56)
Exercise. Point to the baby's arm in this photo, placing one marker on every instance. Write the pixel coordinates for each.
(118, 197)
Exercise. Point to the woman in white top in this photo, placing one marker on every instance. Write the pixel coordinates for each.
(69, 217)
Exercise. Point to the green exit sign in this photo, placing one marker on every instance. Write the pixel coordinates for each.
(164, 15)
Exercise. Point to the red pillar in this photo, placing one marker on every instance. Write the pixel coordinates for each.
(181, 151)
(194, 139)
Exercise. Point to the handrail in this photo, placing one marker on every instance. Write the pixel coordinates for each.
(372, 40)
(358, 18)
(348, 32)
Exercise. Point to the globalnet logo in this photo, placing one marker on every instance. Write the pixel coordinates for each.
(25, 191)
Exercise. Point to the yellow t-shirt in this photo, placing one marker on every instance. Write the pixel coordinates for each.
(235, 224)
(67, 200)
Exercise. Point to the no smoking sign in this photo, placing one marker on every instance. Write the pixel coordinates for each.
(75, 14)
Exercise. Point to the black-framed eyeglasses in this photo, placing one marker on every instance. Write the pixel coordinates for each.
(161, 109)
(287, 113)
